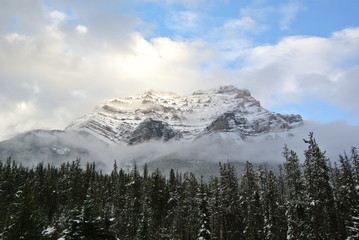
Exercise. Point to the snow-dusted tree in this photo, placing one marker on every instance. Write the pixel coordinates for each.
(214, 205)
(173, 219)
(344, 193)
(295, 196)
(204, 218)
(230, 221)
(319, 194)
(120, 203)
(272, 213)
(355, 162)
(143, 232)
(158, 198)
(189, 204)
(86, 222)
(7, 192)
(353, 219)
(134, 201)
(25, 222)
(250, 204)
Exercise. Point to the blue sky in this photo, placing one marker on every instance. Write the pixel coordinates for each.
(312, 17)
(60, 58)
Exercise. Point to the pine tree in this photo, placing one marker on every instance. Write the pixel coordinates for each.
(320, 203)
(143, 232)
(215, 206)
(87, 223)
(173, 219)
(272, 214)
(353, 219)
(8, 189)
(189, 204)
(250, 203)
(158, 198)
(134, 201)
(344, 193)
(231, 224)
(204, 218)
(355, 162)
(295, 197)
(25, 222)
(120, 203)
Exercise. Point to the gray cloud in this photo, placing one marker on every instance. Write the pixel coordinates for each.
(50, 73)
(203, 153)
(22, 16)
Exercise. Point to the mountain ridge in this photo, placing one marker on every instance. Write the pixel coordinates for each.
(183, 116)
(187, 131)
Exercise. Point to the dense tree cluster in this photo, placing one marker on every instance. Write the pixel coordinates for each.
(312, 200)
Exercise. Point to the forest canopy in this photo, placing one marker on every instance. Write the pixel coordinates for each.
(313, 200)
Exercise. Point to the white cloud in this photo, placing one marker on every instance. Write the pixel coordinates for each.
(241, 24)
(51, 73)
(299, 66)
(14, 37)
(193, 4)
(57, 73)
(57, 16)
(183, 21)
(81, 29)
(289, 11)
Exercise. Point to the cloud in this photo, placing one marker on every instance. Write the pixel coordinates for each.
(289, 11)
(63, 70)
(192, 4)
(70, 59)
(183, 21)
(299, 66)
(57, 16)
(22, 16)
(81, 29)
(271, 16)
(201, 155)
(243, 24)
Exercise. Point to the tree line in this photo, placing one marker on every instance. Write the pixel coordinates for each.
(313, 200)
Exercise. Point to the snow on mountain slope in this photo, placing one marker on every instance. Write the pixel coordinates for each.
(164, 129)
(53, 146)
(161, 115)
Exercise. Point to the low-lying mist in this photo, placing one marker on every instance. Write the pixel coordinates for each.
(56, 147)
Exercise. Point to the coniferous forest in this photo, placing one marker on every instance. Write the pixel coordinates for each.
(313, 200)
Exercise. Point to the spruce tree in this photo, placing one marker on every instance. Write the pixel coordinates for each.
(25, 222)
(190, 207)
(295, 196)
(231, 224)
(134, 201)
(173, 220)
(87, 223)
(215, 206)
(158, 199)
(143, 232)
(250, 203)
(320, 202)
(352, 223)
(204, 215)
(272, 213)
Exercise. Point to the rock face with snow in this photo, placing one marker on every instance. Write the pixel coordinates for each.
(152, 129)
(189, 133)
(155, 115)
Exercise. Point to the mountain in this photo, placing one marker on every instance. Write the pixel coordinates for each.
(187, 132)
(160, 115)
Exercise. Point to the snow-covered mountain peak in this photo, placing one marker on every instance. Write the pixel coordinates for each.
(225, 109)
(227, 89)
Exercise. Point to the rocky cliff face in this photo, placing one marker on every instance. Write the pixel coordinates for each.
(164, 116)
(166, 130)
(152, 129)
